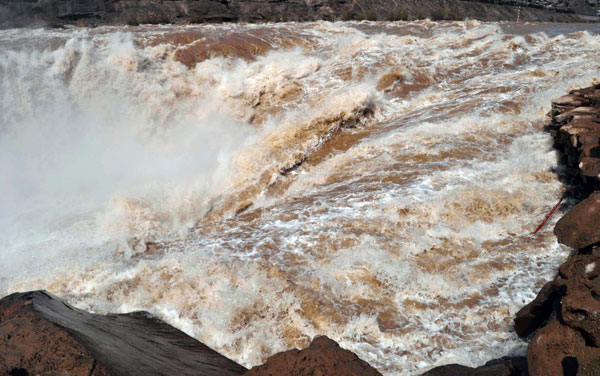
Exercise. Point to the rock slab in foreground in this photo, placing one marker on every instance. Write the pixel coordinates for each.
(324, 357)
(40, 334)
(508, 366)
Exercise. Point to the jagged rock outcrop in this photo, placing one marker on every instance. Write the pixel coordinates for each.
(17, 13)
(575, 127)
(41, 334)
(324, 357)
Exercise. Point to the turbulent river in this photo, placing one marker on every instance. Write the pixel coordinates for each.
(257, 185)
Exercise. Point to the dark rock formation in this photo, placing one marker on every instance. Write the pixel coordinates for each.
(516, 366)
(16, 13)
(575, 127)
(534, 314)
(40, 334)
(324, 357)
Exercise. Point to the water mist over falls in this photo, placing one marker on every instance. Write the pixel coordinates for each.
(255, 186)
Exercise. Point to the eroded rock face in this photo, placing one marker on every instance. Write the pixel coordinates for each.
(559, 350)
(580, 227)
(580, 305)
(40, 334)
(324, 357)
(19, 13)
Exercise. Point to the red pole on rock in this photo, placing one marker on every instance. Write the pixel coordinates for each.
(548, 216)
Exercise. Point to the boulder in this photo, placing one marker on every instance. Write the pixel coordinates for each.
(534, 314)
(41, 334)
(324, 357)
(580, 305)
(558, 350)
(580, 227)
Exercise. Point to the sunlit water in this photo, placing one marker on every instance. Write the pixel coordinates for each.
(257, 185)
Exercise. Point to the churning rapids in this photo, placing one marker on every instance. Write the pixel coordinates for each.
(257, 185)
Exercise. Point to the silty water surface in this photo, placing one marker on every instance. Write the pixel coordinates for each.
(257, 185)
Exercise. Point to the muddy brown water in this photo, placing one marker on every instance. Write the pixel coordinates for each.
(257, 185)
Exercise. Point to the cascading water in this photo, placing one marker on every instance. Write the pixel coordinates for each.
(257, 185)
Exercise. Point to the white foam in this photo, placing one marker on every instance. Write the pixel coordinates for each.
(409, 246)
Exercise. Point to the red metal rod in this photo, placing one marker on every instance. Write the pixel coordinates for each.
(548, 216)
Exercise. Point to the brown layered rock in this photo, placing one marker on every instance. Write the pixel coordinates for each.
(40, 334)
(324, 357)
(580, 226)
(575, 127)
(516, 366)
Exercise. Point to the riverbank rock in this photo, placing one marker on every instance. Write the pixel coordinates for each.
(535, 314)
(324, 357)
(580, 226)
(41, 334)
(575, 127)
(558, 350)
(580, 305)
(565, 316)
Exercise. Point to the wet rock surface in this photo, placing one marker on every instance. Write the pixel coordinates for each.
(41, 334)
(323, 357)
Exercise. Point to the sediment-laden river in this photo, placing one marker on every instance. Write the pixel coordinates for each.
(257, 185)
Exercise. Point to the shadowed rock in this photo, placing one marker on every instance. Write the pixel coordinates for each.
(516, 366)
(534, 314)
(324, 357)
(40, 334)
